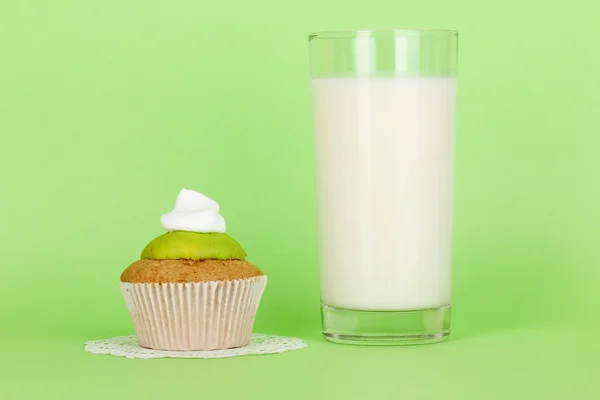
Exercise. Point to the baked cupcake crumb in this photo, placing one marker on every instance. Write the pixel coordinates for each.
(185, 271)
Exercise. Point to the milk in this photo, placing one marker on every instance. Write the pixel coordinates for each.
(384, 166)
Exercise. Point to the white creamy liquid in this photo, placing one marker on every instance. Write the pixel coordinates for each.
(384, 165)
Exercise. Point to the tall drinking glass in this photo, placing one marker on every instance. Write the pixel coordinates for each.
(384, 123)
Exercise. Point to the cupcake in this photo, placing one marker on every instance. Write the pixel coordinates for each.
(193, 289)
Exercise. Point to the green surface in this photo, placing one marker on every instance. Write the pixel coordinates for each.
(194, 246)
(108, 109)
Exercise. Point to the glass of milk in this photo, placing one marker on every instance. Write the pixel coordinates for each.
(384, 125)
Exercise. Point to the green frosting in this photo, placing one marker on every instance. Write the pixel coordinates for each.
(194, 246)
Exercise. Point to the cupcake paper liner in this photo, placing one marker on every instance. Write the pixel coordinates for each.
(194, 316)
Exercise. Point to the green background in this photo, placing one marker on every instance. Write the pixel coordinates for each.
(108, 108)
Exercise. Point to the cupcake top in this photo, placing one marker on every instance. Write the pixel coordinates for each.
(196, 231)
(195, 248)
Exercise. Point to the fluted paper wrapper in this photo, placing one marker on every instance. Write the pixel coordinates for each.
(194, 316)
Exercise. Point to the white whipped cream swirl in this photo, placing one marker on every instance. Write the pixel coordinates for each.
(194, 212)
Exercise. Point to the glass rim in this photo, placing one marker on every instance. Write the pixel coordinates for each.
(348, 34)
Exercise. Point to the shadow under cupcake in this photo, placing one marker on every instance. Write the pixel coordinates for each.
(193, 289)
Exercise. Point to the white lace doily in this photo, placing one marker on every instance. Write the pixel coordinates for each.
(127, 346)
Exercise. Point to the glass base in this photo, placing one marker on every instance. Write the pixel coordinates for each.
(385, 327)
